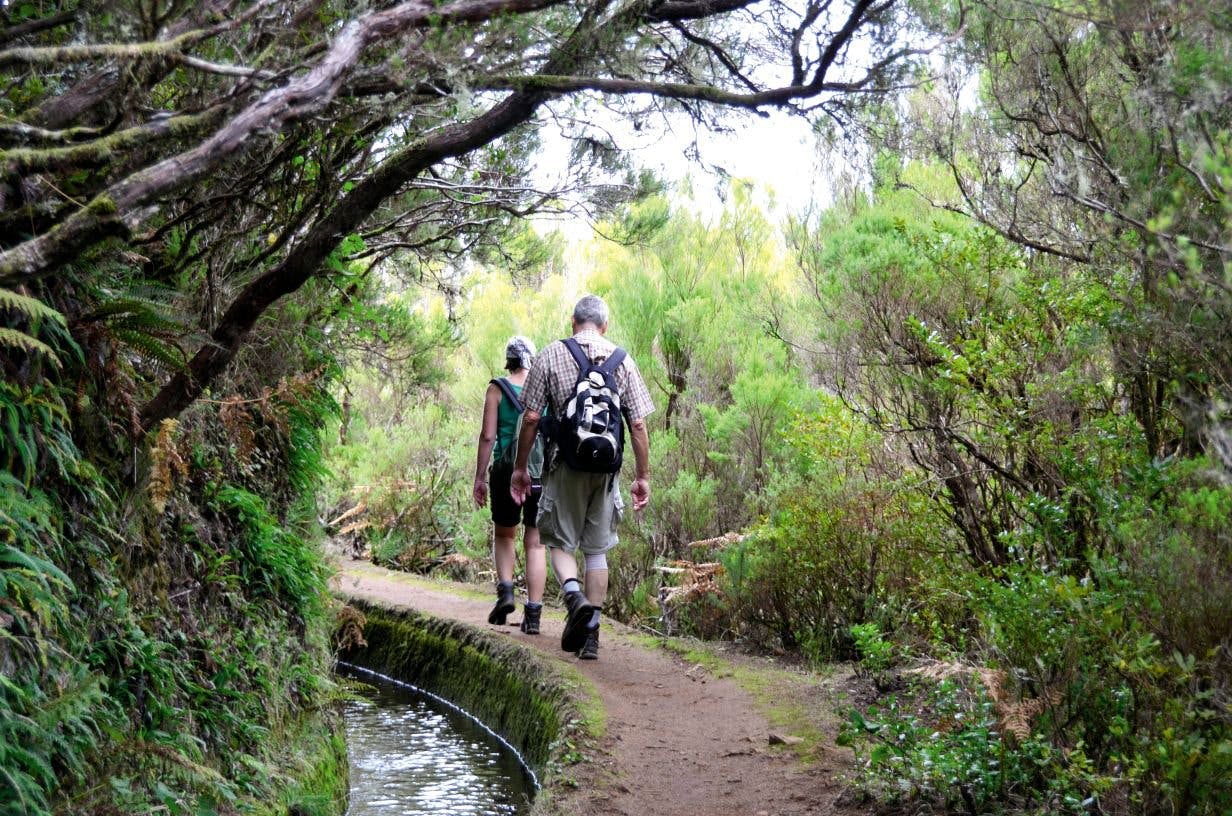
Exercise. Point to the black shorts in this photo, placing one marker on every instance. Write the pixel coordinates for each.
(504, 512)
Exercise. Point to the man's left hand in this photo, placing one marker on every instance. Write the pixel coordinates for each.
(519, 486)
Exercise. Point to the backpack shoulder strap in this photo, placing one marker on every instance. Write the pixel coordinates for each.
(579, 356)
(613, 361)
(507, 389)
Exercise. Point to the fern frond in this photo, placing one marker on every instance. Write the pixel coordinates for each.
(30, 308)
(152, 348)
(33, 764)
(29, 795)
(14, 339)
(148, 322)
(39, 569)
(122, 306)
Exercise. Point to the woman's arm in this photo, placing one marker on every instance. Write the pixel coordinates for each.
(487, 439)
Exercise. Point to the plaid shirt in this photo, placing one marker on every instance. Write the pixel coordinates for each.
(554, 373)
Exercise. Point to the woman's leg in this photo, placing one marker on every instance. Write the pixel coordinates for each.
(536, 564)
(502, 552)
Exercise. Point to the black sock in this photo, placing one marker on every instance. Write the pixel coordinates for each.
(533, 605)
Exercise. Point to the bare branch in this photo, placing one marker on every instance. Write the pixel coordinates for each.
(225, 70)
(25, 29)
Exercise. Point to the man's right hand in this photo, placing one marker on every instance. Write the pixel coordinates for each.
(480, 491)
(519, 486)
(641, 493)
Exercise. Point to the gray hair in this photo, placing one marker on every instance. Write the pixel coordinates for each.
(519, 353)
(590, 309)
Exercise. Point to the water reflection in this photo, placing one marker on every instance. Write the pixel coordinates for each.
(411, 755)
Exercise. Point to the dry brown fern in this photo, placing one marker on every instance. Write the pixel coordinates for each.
(1015, 717)
(237, 421)
(166, 465)
(349, 626)
(696, 579)
(273, 403)
(718, 542)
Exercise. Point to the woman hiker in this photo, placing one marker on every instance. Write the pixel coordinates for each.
(498, 434)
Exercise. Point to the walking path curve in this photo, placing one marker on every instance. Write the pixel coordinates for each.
(680, 740)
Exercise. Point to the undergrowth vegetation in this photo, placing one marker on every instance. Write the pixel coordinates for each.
(163, 615)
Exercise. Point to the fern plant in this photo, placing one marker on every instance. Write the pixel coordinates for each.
(275, 558)
(49, 701)
(144, 326)
(32, 312)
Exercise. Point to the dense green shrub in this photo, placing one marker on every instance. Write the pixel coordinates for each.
(409, 477)
(943, 745)
(849, 542)
(1099, 698)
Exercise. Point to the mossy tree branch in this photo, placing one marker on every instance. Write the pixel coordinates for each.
(264, 222)
(102, 151)
(12, 132)
(305, 259)
(274, 110)
(31, 27)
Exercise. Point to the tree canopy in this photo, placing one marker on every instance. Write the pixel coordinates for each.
(239, 149)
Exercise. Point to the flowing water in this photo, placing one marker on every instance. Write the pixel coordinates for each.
(413, 754)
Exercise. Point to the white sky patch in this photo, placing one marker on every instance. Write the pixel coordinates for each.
(780, 154)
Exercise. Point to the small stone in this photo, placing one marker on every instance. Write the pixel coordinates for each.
(784, 739)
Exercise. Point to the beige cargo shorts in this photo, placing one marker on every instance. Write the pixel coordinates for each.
(580, 510)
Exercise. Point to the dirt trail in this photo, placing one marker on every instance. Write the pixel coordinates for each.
(679, 741)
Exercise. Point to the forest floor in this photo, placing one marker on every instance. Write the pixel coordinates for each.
(688, 726)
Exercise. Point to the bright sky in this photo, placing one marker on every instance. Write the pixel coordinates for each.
(779, 153)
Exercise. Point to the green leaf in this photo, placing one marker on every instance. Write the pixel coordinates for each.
(14, 339)
(31, 308)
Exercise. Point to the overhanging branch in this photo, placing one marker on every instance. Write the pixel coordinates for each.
(119, 207)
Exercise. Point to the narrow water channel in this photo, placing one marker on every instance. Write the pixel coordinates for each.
(414, 755)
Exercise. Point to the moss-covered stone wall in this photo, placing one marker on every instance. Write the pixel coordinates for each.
(513, 691)
(314, 766)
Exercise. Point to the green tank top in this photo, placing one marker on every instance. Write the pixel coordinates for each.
(506, 423)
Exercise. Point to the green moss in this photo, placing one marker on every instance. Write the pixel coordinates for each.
(589, 709)
(314, 760)
(103, 205)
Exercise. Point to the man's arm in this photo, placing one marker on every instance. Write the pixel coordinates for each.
(635, 398)
(640, 436)
(519, 483)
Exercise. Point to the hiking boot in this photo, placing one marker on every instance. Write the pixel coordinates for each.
(590, 649)
(530, 618)
(504, 604)
(576, 624)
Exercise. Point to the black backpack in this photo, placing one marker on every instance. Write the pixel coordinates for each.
(590, 431)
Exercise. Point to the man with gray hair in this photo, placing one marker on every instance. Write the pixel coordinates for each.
(580, 509)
